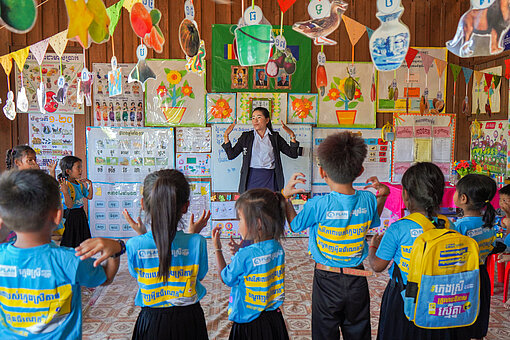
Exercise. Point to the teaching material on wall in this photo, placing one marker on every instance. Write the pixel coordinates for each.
(51, 136)
(226, 172)
(72, 64)
(194, 164)
(127, 154)
(223, 210)
(199, 200)
(221, 108)
(393, 88)
(105, 209)
(378, 160)
(346, 102)
(490, 149)
(176, 97)
(125, 109)
(486, 92)
(422, 138)
(275, 103)
(194, 139)
(302, 108)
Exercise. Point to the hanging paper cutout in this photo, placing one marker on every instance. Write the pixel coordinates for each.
(455, 70)
(39, 50)
(355, 30)
(114, 13)
(18, 15)
(467, 74)
(465, 104)
(322, 27)
(488, 81)
(85, 84)
(98, 29)
(477, 75)
(80, 18)
(114, 79)
(441, 66)
(22, 100)
(285, 4)
(321, 78)
(9, 107)
(6, 61)
(58, 42)
(145, 25)
(507, 68)
(141, 72)
(189, 37)
(369, 32)
(197, 63)
(128, 4)
(41, 97)
(427, 61)
(481, 30)
(20, 56)
(410, 55)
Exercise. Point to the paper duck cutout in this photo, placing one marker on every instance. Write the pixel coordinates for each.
(22, 100)
(86, 89)
(41, 97)
(9, 107)
(62, 94)
(318, 29)
(145, 25)
(80, 18)
(51, 104)
(141, 73)
(196, 64)
(18, 15)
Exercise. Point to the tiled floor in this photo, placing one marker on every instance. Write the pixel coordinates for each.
(109, 312)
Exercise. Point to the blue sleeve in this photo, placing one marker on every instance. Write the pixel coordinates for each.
(85, 191)
(130, 252)
(89, 276)
(389, 244)
(233, 273)
(306, 217)
(203, 266)
(376, 220)
(507, 241)
(457, 227)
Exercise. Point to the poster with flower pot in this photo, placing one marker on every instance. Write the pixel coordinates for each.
(176, 97)
(221, 108)
(276, 103)
(302, 108)
(346, 101)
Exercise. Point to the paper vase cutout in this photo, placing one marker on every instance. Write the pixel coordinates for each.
(22, 100)
(276, 103)
(302, 108)
(115, 82)
(346, 102)
(221, 108)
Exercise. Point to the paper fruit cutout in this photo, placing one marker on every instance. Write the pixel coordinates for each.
(189, 37)
(321, 78)
(41, 97)
(390, 41)
(9, 107)
(481, 30)
(18, 15)
(22, 100)
(318, 29)
(281, 61)
(253, 44)
(145, 25)
(98, 29)
(51, 104)
(196, 64)
(141, 72)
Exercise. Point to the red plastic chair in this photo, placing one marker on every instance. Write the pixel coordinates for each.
(502, 272)
(505, 285)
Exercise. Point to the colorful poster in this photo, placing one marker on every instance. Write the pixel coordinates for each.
(276, 103)
(221, 108)
(194, 164)
(490, 149)
(487, 96)
(72, 64)
(200, 200)
(229, 76)
(51, 136)
(176, 97)
(128, 154)
(346, 102)
(193, 139)
(302, 108)
(125, 109)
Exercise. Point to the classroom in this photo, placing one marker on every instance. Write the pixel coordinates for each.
(369, 124)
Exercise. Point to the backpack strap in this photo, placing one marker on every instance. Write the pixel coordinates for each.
(424, 222)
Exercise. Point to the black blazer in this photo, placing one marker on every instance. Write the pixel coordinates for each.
(245, 144)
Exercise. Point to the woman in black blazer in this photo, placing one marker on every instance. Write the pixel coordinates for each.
(262, 165)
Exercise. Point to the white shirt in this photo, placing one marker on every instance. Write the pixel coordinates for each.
(262, 154)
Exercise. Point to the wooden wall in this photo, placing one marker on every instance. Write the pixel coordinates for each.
(431, 22)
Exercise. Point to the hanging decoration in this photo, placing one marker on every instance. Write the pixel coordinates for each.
(141, 72)
(427, 61)
(321, 78)
(80, 18)
(476, 130)
(285, 4)
(481, 30)
(9, 107)
(18, 16)
(455, 71)
(191, 44)
(388, 132)
(466, 110)
(282, 64)
(145, 25)
(355, 31)
(114, 14)
(438, 102)
(20, 56)
(488, 81)
(39, 50)
(409, 58)
(507, 68)
(477, 79)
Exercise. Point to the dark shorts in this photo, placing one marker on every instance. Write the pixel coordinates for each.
(269, 325)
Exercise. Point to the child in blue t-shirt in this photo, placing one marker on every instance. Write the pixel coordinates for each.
(338, 224)
(40, 296)
(256, 273)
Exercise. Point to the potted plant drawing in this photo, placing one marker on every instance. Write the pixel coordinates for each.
(173, 96)
(347, 94)
(301, 107)
(221, 109)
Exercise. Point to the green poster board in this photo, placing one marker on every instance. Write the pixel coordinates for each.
(229, 76)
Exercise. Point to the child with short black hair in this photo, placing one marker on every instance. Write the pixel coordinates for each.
(40, 285)
(504, 204)
(338, 225)
(256, 272)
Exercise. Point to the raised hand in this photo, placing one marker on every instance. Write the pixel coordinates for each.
(290, 189)
(196, 227)
(137, 226)
(382, 189)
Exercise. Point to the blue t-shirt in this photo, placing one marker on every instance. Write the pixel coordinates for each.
(256, 276)
(40, 296)
(338, 224)
(79, 195)
(188, 268)
(472, 226)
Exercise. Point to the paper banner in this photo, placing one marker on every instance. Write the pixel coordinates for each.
(411, 54)
(507, 69)
(114, 13)
(355, 30)
(440, 65)
(39, 50)
(285, 4)
(496, 79)
(427, 61)
(467, 74)
(58, 42)
(369, 32)
(488, 79)
(128, 4)
(455, 70)
(478, 76)
(6, 61)
(20, 56)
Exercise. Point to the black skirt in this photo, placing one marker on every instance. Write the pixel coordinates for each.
(179, 323)
(269, 325)
(261, 178)
(76, 228)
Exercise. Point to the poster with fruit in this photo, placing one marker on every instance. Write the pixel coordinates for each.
(276, 103)
(221, 108)
(393, 87)
(72, 64)
(288, 70)
(176, 97)
(346, 101)
(486, 98)
(302, 108)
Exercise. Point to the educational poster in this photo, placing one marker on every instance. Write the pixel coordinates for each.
(393, 87)
(176, 97)
(51, 136)
(490, 150)
(200, 200)
(125, 109)
(276, 103)
(487, 96)
(347, 100)
(378, 160)
(302, 108)
(229, 76)
(105, 209)
(194, 164)
(221, 108)
(72, 64)
(227, 172)
(127, 154)
(422, 138)
(193, 139)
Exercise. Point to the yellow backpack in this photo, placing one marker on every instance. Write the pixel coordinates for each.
(443, 285)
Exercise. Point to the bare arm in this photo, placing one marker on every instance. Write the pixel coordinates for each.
(220, 260)
(382, 192)
(65, 191)
(377, 264)
(289, 191)
(107, 248)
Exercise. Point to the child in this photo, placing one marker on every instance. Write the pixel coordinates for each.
(74, 189)
(474, 193)
(338, 224)
(40, 285)
(21, 157)
(504, 204)
(256, 273)
(423, 189)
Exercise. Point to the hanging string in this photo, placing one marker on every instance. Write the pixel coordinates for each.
(352, 54)
(113, 46)
(281, 24)
(322, 48)
(242, 7)
(252, 4)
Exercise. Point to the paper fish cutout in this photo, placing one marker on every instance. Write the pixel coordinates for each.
(62, 94)
(196, 64)
(141, 73)
(22, 100)
(18, 15)
(41, 97)
(9, 107)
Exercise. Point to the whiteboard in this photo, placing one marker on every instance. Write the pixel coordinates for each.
(225, 173)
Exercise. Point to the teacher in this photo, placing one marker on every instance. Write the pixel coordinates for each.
(262, 165)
